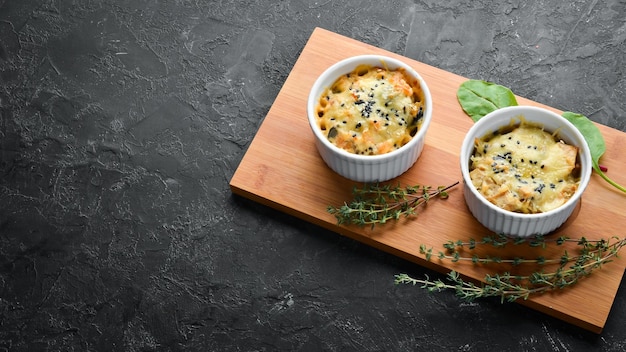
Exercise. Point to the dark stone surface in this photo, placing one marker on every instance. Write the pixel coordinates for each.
(122, 123)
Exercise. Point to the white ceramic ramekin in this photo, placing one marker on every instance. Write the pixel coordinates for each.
(367, 168)
(510, 223)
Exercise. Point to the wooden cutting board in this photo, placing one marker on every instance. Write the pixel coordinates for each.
(283, 170)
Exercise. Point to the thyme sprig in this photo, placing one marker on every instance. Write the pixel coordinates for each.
(592, 255)
(377, 204)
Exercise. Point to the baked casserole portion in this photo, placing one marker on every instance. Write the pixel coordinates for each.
(525, 170)
(371, 110)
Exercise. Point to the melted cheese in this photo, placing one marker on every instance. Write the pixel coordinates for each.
(525, 170)
(371, 110)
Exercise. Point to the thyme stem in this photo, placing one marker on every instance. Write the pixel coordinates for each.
(376, 204)
(593, 255)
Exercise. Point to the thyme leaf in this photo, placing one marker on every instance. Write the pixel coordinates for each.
(377, 204)
(591, 256)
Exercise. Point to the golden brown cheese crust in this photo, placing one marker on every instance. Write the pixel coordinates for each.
(525, 170)
(371, 110)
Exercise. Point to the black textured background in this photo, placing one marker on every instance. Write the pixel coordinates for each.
(122, 122)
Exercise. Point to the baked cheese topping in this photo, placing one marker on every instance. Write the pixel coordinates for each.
(371, 110)
(525, 170)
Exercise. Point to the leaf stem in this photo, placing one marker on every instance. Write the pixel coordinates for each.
(607, 179)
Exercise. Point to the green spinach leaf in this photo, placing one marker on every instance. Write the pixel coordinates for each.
(594, 139)
(591, 133)
(478, 98)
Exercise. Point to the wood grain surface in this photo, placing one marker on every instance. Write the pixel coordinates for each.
(283, 170)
